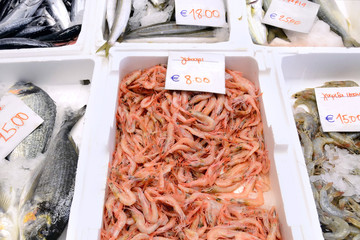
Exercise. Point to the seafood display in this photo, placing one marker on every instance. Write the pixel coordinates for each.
(332, 163)
(330, 17)
(39, 23)
(38, 206)
(188, 165)
(144, 20)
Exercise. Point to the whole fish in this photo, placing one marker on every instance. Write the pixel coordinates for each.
(24, 9)
(42, 104)
(330, 13)
(46, 207)
(258, 30)
(122, 14)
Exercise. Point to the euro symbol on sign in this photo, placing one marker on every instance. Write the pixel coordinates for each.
(273, 15)
(175, 78)
(330, 118)
(183, 13)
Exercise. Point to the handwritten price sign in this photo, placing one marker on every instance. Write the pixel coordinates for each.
(338, 108)
(196, 72)
(17, 121)
(293, 15)
(200, 12)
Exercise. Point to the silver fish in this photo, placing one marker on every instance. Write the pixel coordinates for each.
(24, 9)
(330, 13)
(58, 10)
(46, 207)
(258, 30)
(122, 14)
(42, 104)
(77, 11)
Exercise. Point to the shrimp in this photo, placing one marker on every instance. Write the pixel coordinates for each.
(172, 202)
(150, 210)
(340, 228)
(120, 223)
(141, 236)
(140, 222)
(209, 122)
(123, 193)
(221, 232)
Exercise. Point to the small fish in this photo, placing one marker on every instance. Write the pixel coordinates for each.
(42, 104)
(65, 35)
(14, 26)
(258, 30)
(164, 30)
(58, 10)
(330, 13)
(24, 9)
(17, 43)
(122, 14)
(46, 207)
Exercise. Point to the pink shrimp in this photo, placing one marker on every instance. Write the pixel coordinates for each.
(120, 223)
(209, 123)
(149, 209)
(172, 202)
(123, 193)
(140, 222)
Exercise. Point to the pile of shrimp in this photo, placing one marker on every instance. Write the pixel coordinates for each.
(179, 158)
(339, 215)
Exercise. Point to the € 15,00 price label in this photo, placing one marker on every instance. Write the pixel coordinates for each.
(202, 72)
(295, 15)
(339, 108)
(17, 121)
(200, 12)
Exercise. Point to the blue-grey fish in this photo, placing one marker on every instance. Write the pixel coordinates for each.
(45, 205)
(59, 12)
(42, 104)
(330, 13)
(24, 9)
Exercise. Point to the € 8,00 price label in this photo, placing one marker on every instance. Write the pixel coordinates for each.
(17, 121)
(201, 72)
(295, 15)
(200, 12)
(339, 108)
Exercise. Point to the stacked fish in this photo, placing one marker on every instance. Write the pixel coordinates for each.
(144, 19)
(39, 23)
(329, 12)
(40, 208)
(339, 213)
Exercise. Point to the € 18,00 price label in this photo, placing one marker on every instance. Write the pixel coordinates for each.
(295, 15)
(201, 72)
(339, 108)
(17, 121)
(200, 12)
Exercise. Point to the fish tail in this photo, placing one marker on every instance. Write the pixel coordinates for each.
(275, 32)
(106, 46)
(351, 42)
(71, 117)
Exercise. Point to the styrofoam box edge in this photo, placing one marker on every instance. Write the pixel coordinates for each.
(287, 192)
(83, 44)
(238, 38)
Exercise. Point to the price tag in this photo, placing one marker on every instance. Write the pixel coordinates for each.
(200, 12)
(339, 108)
(17, 121)
(295, 15)
(202, 72)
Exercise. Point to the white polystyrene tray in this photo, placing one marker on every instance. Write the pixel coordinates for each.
(287, 193)
(237, 38)
(83, 44)
(352, 8)
(297, 72)
(60, 77)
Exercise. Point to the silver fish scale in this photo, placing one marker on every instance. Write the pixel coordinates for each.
(41, 103)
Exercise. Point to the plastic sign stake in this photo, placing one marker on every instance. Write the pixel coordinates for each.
(200, 12)
(17, 121)
(295, 15)
(203, 72)
(339, 108)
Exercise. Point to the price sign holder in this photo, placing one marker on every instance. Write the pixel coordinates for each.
(295, 15)
(200, 12)
(339, 108)
(191, 71)
(17, 121)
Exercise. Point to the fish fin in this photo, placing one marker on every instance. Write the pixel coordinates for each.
(74, 116)
(6, 198)
(351, 42)
(106, 46)
(275, 32)
(29, 188)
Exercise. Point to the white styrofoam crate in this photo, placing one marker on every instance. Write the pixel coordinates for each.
(350, 8)
(235, 19)
(61, 78)
(287, 192)
(82, 45)
(300, 71)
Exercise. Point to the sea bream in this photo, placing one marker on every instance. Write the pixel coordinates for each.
(44, 106)
(46, 201)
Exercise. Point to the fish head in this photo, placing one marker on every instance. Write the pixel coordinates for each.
(23, 88)
(36, 225)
